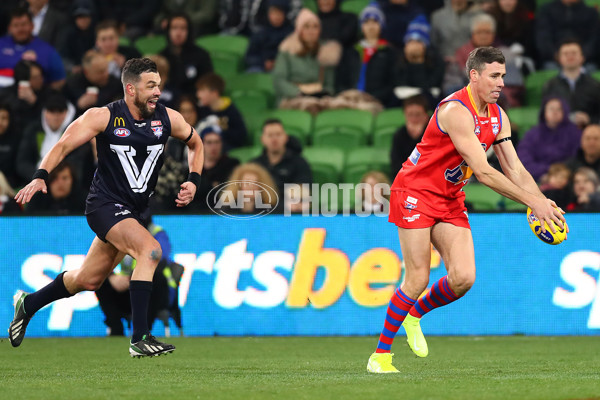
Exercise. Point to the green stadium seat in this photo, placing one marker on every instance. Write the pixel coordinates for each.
(245, 154)
(534, 84)
(124, 41)
(326, 164)
(387, 123)
(354, 6)
(253, 103)
(524, 118)
(481, 197)
(251, 83)
(344, 128)
(227, 65)
(150, 44)
(232, 44)
(383, 137)
(391, 117)
(362, 160)
(296, 122)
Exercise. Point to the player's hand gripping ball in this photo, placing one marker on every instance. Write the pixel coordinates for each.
(548, 236)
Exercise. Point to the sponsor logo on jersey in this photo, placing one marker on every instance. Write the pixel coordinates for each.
(411, 200)
(122, 132)
(494, 119)
(119, 121)
(412, 218)
(158, 131)
(485, 121)
(140, 125)
(156, 123)
(124, 212)
(118, 205)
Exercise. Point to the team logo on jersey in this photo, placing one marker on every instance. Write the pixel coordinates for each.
(156, 123)
(495, 128)
(477, 130)
(157, 131)
(409, 206)
(122, 132)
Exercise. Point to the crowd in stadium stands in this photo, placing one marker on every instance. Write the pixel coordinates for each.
(262, 81)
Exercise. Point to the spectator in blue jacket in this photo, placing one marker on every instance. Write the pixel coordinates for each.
(20, 43)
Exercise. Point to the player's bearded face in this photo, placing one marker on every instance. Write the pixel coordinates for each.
(142, 104)
(147, 93)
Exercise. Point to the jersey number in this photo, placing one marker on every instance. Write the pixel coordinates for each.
(138, 180)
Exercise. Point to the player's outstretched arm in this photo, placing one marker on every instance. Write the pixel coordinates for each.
(183, 131)
(80, 131)
(458, 122)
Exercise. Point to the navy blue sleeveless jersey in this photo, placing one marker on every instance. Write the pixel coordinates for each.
(130, 154)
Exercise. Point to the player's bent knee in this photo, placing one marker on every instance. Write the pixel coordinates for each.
(462, 284)
(91, 284)
(155, 253)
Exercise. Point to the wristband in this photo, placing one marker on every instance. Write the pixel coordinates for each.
(41, 174)
(195, 178)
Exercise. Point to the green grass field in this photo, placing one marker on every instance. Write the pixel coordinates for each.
(303, 368)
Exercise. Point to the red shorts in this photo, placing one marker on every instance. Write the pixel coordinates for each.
(412, 211)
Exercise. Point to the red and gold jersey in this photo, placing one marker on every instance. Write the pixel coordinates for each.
(435, 170)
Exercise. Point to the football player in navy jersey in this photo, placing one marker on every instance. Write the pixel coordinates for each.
(130, 138)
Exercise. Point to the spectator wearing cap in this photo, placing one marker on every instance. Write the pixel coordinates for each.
(47, 20)
(215, 109)
(39, 137)
(398, 15)
(78, 37)
(420, 68)
(284, 165)
(336, 24)
(93, 86)
(218, 166)
(369, 65)
(263, 46)
(20, 43)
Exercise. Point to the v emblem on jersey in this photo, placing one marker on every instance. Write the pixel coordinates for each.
(138, 180)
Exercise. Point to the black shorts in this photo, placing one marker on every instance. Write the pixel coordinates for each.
(103, 215)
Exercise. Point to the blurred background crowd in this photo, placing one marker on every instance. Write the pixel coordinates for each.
(298, 91)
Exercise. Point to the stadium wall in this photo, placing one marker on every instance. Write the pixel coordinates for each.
(320, 276)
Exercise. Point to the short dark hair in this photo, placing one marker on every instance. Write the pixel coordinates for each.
(270, 121)
(22, 70)
(134, 67)
(568, 40)
(107, 24)
(55, 102)
(19, 12)
(483, 55)
(416, 100)
(211, 81)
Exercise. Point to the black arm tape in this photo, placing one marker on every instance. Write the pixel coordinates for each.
(41, 174)
(502, 140)
(191, 134)
(195, 178)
